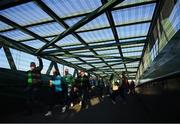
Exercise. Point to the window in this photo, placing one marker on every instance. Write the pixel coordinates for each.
(154, 51)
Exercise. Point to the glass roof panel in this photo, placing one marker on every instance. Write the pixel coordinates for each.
(68, 40)
(99, 64)
(100, 21)
(133, 64)
(74, 7)
(111, 59)
(16, 35)
(133, 30)
(119, 70)
(95, 36)
(105, 68)
(105, 48)
(34, 43)
(80, 51)
(101, 43)
(85, 66)
(133, 39)
(110, 63)
(47, 29)
(72, 46)
(132, 54)
(133, 14)
(4, 26)
(116, 55)
(132, 69)
(118, 66)
(98, 60)
(130, 2)
(25, 14)
(132, 45)
(86, 53)
(77, 62)
(49, 38)
(73, 21)
(132, 49)
(71, 59)
(108, 51)
(88, 58)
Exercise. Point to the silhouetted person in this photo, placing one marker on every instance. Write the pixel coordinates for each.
(132, 87)
(68, 79)
(101, 88)
(114, 91)
(56, 96)
(33, 84)
(124, 87)
(84, 87)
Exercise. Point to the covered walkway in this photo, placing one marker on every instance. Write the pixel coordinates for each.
(86, 44)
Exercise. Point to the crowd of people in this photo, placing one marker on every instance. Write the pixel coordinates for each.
(67, 90)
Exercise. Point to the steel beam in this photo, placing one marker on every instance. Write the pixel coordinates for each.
(112, 24)
(13, 24)
(62, 23)
(81, 31)
(70, 17)
(49, 68)
(98, 46)
(16, 45)
(82, 22)
(10, 58)
(75, 72)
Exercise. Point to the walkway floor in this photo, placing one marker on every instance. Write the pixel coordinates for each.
(139, 108)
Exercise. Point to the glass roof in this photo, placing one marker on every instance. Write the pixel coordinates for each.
(4, 26)
(132, 19)
(47, 29)
(34, 43)
(133, 14)
(68, 40)
(93, 36)
(75, 7)
(25, 14)
(16, 35)
(130, 2)
(133, 30)
(99, 22)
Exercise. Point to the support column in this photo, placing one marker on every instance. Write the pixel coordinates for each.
(49, 69)
(75, 72)
(9, 58)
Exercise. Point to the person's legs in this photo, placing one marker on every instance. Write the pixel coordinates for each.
(65, 100)
(113, 96)
(73, 96)
(122, 93)
(100, 93)
(29, 100)
(51, 103)
(85, 98)
(80, 95)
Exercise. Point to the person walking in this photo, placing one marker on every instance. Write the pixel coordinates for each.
(33, 85)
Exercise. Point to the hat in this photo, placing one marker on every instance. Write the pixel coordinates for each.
(32, 64)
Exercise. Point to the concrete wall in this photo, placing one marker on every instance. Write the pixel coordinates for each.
(167, 25)
(166, 85)
(12, 83)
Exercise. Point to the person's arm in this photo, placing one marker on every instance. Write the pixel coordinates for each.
(40, 67)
